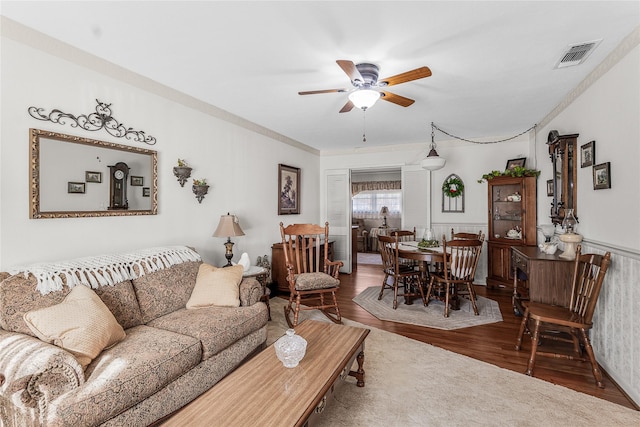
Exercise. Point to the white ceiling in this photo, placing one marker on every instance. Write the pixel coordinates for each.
(492, 62)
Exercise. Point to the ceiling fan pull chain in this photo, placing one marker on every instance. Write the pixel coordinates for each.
(364, 125)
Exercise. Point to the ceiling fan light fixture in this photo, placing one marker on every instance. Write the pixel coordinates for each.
(364, 98)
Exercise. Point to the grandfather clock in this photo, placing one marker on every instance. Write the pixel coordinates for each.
(118, 188)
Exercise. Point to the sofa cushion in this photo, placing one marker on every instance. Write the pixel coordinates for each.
(165, 290)
(18, 295)
(81, 324)
(121, 301)
(216, 287)
(144, 362)
(216, 327)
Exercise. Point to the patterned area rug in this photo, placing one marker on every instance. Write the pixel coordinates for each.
(431, 316)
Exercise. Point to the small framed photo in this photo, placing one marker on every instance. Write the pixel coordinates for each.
(288, 190)
(90, 176)
(76, 187)
(146, 192)
(137, 181)
(588, 154)
(602, 176)
(550, 187)
(515, 162)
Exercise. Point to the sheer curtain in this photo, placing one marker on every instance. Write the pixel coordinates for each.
(369, 197)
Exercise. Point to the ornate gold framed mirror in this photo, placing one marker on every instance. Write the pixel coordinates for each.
(70, 177)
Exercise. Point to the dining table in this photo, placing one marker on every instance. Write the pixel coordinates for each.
(425, 256)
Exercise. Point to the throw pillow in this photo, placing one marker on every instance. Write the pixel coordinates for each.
(216, 287)
(81, 324)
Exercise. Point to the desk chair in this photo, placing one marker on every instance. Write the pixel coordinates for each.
(574, 321)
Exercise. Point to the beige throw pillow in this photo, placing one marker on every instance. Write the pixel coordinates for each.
(81, 324)
(216, 287)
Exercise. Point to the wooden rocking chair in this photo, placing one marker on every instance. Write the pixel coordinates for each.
(312, 276)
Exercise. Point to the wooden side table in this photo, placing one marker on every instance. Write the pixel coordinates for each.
(260, 273)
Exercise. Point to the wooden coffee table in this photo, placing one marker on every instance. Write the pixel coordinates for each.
(263, 392)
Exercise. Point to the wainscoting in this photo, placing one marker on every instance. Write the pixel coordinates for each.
(616, 322)
(616, 331)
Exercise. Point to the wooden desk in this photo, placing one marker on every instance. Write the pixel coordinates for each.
(544, 278)
(263, 392)
(279, 269)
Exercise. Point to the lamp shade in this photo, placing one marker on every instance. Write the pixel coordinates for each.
(384, 210)
(364, 98)
(228, 227)
(433, 161)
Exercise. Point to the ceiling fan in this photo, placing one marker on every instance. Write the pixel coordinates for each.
(364, 78)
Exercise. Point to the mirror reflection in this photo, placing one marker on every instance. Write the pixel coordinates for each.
(80, 177)
(562, 152)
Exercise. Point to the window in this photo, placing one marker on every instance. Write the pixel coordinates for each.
(367, 204)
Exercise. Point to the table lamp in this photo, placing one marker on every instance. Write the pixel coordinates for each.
(228, 227)
(384, 212)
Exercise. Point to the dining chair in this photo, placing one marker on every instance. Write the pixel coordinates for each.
(406, 236)
(312, 277)
(459, 268)
(404, 276)
(569, 324)
(463, 235)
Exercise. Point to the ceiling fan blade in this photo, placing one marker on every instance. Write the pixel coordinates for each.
(396, 99)
(313, 92)
(418, 73)
(347, 107)
(350, 69)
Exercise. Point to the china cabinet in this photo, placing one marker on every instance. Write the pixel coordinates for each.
(512, 222)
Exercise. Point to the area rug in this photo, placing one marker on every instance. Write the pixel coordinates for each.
(372, 258)
(431, 316)
(409, 383)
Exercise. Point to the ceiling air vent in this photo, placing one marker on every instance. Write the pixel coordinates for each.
(576, 54)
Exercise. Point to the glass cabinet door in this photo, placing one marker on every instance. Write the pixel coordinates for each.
(506, 216)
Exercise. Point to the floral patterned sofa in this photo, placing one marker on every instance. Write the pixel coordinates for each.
(170, 354)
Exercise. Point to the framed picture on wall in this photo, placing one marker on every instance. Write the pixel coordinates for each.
(90, 176)
(602, 176)
(549, 187)
(588, 154)
(137, 181)
(76, 187)
(515, 162)
(288, 190)
(146, 192)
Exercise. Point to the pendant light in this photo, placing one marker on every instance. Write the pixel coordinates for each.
(433, 161)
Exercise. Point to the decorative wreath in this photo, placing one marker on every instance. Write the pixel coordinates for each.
(453, 187)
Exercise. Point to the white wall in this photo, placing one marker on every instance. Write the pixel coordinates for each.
(607, 110)
(467, 160)
(240, 164)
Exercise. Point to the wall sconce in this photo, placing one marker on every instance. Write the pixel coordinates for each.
(228, 227)
(200, 188)
(182, 172)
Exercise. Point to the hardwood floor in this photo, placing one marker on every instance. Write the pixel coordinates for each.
(493, 343)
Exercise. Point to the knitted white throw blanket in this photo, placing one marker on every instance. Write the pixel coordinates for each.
(105, 269)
